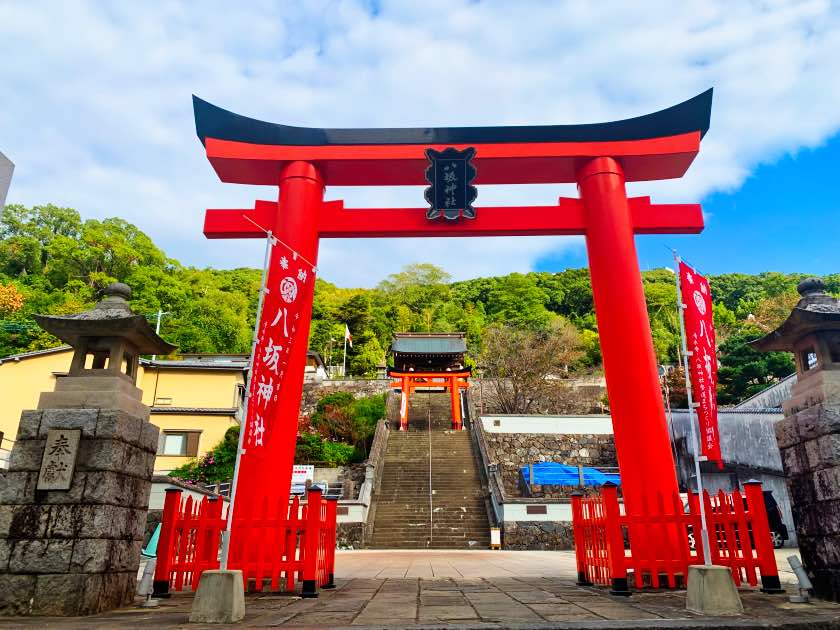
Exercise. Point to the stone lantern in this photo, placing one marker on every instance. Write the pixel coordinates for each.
(107, 343)
(73, 502)
(809, 435)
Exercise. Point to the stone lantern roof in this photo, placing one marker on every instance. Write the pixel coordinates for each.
(111, 317)
(816, 312)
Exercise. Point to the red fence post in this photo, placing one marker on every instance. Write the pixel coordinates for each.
(329, 551)
(210, 525)
(761, 536)
(313, 534)
(160, 585)
(614, 540)
(578, 536)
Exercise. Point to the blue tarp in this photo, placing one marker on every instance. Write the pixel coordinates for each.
(552, 473)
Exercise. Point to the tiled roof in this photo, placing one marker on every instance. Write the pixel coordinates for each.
(34, 353)
(429, 344)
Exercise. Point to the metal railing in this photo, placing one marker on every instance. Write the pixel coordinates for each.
(373, 473)
(490, 477)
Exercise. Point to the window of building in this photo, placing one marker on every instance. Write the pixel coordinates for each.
(809, 359)
(179, 443)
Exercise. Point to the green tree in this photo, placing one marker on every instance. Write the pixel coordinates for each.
(518, 302)
(744, 371)
(523, 366)
(417, 286)
(367, 356)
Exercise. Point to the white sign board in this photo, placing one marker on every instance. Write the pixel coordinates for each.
(495, 538)
(300, 473)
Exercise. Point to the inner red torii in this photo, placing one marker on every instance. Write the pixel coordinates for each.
(600, 158)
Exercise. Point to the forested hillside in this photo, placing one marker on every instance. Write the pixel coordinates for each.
(52, 261)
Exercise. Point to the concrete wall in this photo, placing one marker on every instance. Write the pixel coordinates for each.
(591, 424)
(553, 512)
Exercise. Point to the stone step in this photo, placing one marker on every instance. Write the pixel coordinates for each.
(461, 518)
(458, 517)
(435, 544)
(415, 532)
(424, 541)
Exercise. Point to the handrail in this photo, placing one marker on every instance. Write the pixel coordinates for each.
(374, 466)
(489, 474)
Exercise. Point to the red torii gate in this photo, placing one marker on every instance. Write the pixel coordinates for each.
(600, 158)
(453, 382)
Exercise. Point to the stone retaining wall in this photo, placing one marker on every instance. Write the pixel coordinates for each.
(350, 536)
(314, 391)
(538, 535)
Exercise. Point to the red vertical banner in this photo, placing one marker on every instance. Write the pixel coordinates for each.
(289, 279)
(702, 365)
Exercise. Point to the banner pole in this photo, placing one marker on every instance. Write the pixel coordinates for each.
(704, 530)
(223, 561)
(344, 365)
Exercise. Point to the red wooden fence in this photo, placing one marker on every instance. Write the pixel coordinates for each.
(608, 547)
(270, 544)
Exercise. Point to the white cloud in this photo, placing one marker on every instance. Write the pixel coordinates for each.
(97, 114)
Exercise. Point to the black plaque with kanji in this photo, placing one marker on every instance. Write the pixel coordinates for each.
(450, 175)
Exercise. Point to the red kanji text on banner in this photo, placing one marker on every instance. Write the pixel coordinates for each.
(289, 278)
(696, 297)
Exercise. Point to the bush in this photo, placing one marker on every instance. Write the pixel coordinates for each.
(341, 431)
(216, 465)
(343, 418)
(312, 448)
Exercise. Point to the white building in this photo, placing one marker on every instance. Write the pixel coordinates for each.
(6, 170)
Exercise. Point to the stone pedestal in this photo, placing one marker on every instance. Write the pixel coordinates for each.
(77, 551)
(809, 441)
(220, 598)
(711, 591)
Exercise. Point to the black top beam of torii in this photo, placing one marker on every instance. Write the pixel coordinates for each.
(691, 115)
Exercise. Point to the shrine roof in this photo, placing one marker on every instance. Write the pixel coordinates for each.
(440, 343)
(816, 311)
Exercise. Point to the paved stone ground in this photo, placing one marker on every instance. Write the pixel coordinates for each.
(389, 589)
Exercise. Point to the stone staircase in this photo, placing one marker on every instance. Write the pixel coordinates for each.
(456, 517)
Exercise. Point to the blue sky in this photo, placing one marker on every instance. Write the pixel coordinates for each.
(784, 217)
(96, 112)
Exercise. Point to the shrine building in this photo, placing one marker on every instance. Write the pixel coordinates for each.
(426, 361)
